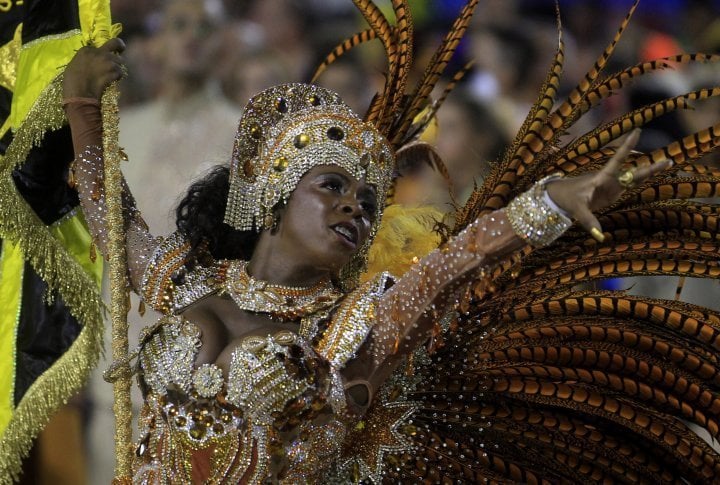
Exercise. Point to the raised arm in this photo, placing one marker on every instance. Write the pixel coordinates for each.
(535, 218)
(85, 79)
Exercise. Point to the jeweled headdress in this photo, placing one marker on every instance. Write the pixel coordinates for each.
(285, 131)
(288, 129)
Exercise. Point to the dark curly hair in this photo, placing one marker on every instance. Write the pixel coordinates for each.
(199, 218)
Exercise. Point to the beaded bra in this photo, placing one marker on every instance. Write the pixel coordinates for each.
(277, 386)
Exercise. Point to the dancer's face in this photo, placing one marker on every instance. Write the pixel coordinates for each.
(328, 217)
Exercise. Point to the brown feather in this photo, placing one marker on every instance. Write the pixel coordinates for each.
(618, 80)
(417, 153)
(341, 49)
(557, 122)
(535, 118)
(417, 127)
(690, 148)
(399, 75)
(620, 126)
(432, 73)
(384, 31)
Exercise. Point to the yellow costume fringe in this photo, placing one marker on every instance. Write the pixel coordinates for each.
(59, 254)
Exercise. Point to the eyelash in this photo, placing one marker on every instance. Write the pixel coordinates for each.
(336, 186)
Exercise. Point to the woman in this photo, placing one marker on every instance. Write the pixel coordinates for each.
(267, 358)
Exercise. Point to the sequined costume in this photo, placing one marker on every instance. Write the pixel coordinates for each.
(524, 376)
(193, 415)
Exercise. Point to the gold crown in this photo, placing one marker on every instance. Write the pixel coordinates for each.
(287, 130)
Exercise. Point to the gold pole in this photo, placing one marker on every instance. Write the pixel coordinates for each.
(122, 406)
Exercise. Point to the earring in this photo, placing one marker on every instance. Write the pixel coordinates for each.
(270, 222)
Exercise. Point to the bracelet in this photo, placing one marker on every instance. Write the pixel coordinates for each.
(534, 219)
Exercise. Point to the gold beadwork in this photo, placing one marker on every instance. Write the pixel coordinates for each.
(269, 221)
(284, 303)
(280, 163)
(301, 141)
(255, 131)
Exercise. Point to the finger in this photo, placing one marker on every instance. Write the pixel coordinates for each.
(112, 75)
(648, 171)
(589, 222)
(613, 165)
(115, 45)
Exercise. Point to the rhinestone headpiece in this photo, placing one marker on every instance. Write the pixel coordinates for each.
(287, 130)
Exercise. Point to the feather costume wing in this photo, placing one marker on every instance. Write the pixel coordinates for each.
(537, 377)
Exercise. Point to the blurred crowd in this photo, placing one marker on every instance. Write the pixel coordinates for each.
(194, 63)
(239, 48)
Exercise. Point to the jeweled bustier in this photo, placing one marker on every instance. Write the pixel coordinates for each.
(281, 412)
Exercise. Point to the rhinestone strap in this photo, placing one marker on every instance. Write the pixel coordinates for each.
(533, 219)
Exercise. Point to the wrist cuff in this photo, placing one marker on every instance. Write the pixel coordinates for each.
(535, 218)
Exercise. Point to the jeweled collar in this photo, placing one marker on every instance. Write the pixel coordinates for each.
(282, 303)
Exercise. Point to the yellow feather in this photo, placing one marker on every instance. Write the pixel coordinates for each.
(405, 235)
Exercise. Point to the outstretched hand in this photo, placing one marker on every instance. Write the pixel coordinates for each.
(580, 196)
(93, 69)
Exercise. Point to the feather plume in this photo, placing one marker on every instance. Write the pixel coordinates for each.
(378, 23)
(442, 56)
(537, 376)
(342, 49)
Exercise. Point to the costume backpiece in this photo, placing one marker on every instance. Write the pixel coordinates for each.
(533, 375)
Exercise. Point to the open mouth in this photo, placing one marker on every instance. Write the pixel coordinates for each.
(347, 232)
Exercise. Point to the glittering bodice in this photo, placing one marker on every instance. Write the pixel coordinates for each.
(245, 419)
(280, 413)
(377, 323)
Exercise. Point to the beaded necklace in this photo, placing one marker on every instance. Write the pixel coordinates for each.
(282, 303)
